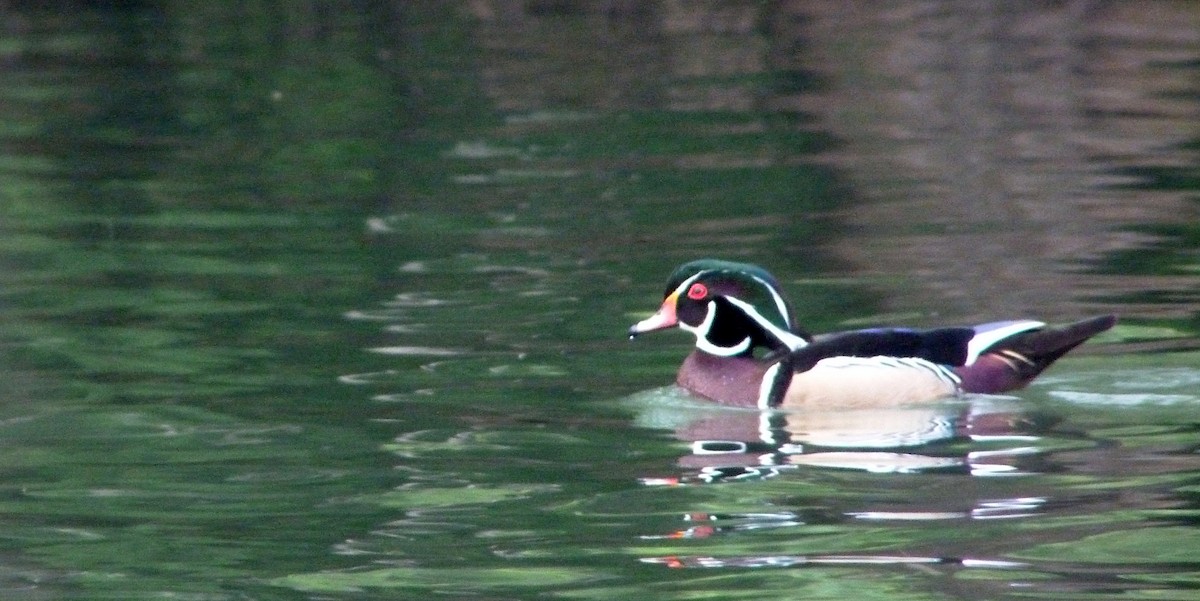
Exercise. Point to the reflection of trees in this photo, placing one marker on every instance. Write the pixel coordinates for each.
(135, 125)
(678, 108)
(290, 104)
(999, 129)
(272, 105)
(981, 141)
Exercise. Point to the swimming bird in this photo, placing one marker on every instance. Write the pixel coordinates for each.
(749, 351)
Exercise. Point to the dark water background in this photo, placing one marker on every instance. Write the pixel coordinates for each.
(319, 300)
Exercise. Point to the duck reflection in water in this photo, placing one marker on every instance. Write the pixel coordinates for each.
(980, 436)
(973, 437)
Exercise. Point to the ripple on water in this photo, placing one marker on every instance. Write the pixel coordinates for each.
(1130, 399)
(416, 351)
(1140, 385)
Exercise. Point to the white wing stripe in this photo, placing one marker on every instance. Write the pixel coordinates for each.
(982, 341)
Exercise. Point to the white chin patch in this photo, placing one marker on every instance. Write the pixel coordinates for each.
(723, 351)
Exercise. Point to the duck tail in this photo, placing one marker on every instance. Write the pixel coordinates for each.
(1013, 361)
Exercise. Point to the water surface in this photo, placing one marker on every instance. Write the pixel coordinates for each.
(331, 304)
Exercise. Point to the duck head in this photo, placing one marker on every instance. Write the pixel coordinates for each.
(732, 309)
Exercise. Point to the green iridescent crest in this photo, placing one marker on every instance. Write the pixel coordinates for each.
(749, 283)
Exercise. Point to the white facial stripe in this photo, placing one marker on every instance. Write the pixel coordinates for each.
(688, 282)
(779, 303)
(701, 332)
(791, 340)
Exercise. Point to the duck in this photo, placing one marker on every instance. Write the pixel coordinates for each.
(749, 352)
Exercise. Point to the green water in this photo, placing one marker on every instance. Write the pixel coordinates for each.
(309, 301)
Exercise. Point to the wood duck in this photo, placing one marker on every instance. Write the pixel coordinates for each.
(749, 351)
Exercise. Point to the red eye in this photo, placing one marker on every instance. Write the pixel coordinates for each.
(698, 291)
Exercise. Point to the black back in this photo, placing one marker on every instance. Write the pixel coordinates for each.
(947, 346)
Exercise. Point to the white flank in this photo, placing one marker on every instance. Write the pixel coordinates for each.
(942, 372)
